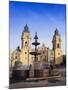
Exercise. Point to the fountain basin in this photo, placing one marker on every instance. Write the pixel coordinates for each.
(36, 43)
(34, 53)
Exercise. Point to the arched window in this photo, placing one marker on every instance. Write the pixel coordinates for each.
(58, 45)
(26, 42)
(25, 52)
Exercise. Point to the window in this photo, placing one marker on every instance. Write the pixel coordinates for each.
(43, 52)
(25, 52)
(27, 37)
(59, 39)
(51, 53)
(58, 53)
(15, 57)
(26, 42)
(58, 46)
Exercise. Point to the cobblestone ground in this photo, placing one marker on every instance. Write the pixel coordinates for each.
(41, 83)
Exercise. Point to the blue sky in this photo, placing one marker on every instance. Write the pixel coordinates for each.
(40, 17)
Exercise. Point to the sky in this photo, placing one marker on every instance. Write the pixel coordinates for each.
(42, 18)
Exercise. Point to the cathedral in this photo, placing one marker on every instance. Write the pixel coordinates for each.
(47, 55)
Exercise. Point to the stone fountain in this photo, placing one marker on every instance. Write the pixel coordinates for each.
(35, 53)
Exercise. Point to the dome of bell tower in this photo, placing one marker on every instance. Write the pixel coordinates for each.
(56, 32)
(26, 29)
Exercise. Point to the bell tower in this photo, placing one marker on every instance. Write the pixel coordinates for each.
(25, 46)
(57, 47)
(25, 38)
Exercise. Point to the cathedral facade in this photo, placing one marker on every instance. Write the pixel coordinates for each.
(47, 55)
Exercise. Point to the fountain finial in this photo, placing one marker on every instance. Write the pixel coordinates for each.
(36, 37)
(35, 33)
